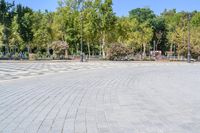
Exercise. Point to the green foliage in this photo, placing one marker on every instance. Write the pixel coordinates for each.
(195, 42)
(160, 33)
(107, 23)
(125, 29)
(1, 34)
(196, 20)
(41, 31)
(15, 38)
(94, 23)
(142, 14)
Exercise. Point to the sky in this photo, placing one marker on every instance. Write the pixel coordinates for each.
(122, 7)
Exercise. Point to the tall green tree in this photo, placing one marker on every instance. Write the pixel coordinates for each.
(126, 32)
(160, 34)
(66, 23)
(195, 35)
(195, 42)
(177, 31)
(42, 32)
(15, 39)
(144, 35)
(1, 34)
(6, 13)
(26, 30)
(142, 14)
(90, 25)
(195, 21)
(107, 24)
(24, 20)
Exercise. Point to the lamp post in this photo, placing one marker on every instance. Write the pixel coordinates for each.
(81, 2)
(154, 49)
(189, 47)
(81, 37)
(174, 51)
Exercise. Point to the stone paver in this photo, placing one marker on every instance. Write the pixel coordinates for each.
(99, 97)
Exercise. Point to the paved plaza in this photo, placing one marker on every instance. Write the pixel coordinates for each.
(99, 97)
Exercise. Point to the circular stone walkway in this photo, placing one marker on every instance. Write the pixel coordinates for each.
(101, 97)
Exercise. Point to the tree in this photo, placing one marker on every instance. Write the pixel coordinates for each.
(6, 13)
(195, 42)
(142, 14)
(42, 33)
(144, 35)
(126, 32)
(67, 23)
(90, 25)
(15, 39)
(94, 23)
(26, 31)
(177, 31)
(1, 33)
(107, 23)
(195, 35)
(160, 33)
(24, 20)
(176, 38)
(195, 21)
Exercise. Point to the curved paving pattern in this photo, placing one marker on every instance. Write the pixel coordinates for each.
(100, 97)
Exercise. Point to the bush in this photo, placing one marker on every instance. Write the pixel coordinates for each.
(26, 55)
(39, 55)
(32, 56)
(15, 56)
(59, 48)
(148, 59)
(118, 51)
(1, 55)
(7, 55)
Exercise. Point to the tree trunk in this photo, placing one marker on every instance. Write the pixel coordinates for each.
(103, 46)
(93, 52)
(100, 52)
(28, 47)
(66, 54)
(144, 50)
(77, 45)
(88, 45)
(171, 47)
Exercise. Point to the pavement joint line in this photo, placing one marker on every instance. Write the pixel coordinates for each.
(100, 97)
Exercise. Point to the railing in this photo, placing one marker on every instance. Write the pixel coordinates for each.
(138, 57)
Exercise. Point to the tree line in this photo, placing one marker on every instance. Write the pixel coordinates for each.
(95, 24)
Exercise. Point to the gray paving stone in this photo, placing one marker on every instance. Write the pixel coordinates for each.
(99, 97)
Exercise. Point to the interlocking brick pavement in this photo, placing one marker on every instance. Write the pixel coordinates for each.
(99, 97)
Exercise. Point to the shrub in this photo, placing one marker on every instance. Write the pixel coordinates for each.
(15, 56)
(59, 48)
(1, 55)
(148, 59)
(32, 56)
(39, 55)
(7, 55)
(118, 51)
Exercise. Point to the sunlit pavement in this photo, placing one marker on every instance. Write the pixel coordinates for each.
(99, 97)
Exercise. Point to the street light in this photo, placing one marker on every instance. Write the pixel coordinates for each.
(174, 51)
(189, 54)
(154, 49)
(81, 37)
(81, 1)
